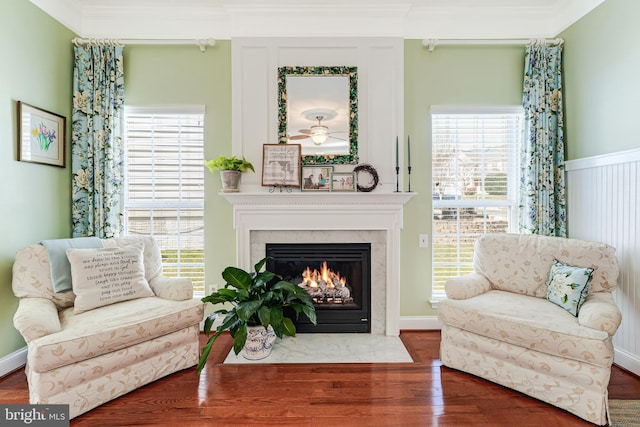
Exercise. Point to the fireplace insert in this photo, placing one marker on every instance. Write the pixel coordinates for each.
(337, 277)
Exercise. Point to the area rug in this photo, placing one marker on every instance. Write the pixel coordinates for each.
(333, 348)
(624, 413)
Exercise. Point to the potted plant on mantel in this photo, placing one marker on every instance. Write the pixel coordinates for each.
(231, 169)
(256, 316)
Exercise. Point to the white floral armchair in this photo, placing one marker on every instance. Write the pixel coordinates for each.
(499, 322)
(87, 358)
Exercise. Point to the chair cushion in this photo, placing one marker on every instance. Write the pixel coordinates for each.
(60, 267)
(107, 275)
(569, 286)
(151, 251)
(529, 322)
(164, 353)
(109, 328)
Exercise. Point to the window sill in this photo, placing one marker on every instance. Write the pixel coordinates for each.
(436, 299)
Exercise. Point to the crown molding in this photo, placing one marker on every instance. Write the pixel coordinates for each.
(67, 12)
(225, 19)
(572, 10)
(479, 22)
(156, 22)
(318, 20)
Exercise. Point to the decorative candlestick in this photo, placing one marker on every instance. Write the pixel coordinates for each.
(397, 164)
(409, 159)
(397, 169)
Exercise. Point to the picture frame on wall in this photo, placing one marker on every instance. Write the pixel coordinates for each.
(281, 165)
(316, 178)
(41, 136)
(343, 181)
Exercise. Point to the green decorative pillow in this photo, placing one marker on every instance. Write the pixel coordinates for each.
(568, 286)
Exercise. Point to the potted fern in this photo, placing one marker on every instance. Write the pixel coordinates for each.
(256, 315)
(231, 169)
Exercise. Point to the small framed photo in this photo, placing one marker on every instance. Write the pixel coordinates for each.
(41, 136)
(316, 178)
(343, 181)
(281, 165)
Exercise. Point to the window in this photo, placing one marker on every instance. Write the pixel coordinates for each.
(164, 185)
(474, 163)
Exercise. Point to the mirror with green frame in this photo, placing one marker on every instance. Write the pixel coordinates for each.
(318, 109)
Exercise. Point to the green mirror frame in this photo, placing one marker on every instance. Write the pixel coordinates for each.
(352, 74)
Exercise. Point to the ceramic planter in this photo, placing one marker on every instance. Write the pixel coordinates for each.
(230, 181)
(259, 342)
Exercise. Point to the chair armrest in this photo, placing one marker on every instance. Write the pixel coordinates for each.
(465, 287)
(36, 317)
(600, 312)
(173, 288)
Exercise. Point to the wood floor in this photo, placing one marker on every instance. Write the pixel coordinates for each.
(423, 393)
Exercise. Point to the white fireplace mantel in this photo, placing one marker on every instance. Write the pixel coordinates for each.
(309, 198)
(295, 211)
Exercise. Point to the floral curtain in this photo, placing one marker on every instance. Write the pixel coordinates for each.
(542, 184)
(96, 145)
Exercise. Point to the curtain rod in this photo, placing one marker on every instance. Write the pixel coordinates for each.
(432, 43)
(202, 43)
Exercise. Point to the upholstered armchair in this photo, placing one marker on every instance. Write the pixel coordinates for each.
(121, 326)
(536, 315)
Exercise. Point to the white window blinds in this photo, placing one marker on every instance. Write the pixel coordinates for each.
(164, 179)
(474, 182)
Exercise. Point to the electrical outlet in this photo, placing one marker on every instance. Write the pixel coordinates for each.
(423, 240)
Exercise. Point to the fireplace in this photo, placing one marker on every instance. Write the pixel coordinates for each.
(337, 277)
(261, 217)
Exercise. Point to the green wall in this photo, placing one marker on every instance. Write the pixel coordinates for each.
(450, 75)
(173, 75)
(601, 62)
(36, 68)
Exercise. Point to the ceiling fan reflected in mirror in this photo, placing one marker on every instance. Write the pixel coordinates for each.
(318, 133)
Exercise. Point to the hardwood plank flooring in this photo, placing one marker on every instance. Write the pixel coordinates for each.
(423, 393)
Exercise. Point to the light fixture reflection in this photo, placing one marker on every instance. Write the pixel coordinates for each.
(319, 134)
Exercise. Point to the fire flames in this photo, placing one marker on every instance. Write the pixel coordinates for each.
(332, 280)
(326, 286)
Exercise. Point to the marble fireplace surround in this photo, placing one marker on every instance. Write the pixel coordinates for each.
(376, 218)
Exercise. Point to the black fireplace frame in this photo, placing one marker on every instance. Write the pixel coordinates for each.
(334, 320)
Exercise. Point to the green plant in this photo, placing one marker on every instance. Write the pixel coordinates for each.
(228, 164)
(257, 298)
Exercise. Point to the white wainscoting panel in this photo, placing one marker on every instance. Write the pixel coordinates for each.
(603, 203)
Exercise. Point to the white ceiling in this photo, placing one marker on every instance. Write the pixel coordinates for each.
(224, 19)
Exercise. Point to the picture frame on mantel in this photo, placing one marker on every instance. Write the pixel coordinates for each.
(41, 136)
(281, 165)
(343, 181)
(316, 178)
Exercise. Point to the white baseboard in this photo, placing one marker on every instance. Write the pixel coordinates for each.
(419, 322)
(13, 361)
(628, 361)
